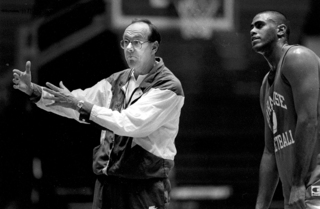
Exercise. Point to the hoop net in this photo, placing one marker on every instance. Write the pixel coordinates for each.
(196, 17)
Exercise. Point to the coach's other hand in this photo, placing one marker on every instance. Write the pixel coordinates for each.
(22, 80)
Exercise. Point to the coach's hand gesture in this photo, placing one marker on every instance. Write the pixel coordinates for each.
(61, 96)
(22, 80)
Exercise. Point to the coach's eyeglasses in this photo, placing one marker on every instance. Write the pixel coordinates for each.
(135, 43)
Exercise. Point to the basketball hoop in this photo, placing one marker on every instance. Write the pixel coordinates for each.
(196, 17)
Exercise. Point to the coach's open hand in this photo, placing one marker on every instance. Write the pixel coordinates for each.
(61, 96)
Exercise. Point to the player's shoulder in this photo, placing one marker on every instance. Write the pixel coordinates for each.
(300, 57)
(298, 62)
(298, 53)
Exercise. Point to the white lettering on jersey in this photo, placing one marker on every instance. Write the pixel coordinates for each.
(276, 100)
(279, 100)
(283, 140)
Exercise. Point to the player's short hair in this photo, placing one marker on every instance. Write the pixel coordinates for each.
(279, 18)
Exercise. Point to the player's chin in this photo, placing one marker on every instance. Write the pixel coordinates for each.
(257, 48)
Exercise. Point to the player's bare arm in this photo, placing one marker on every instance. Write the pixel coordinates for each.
(300, 69)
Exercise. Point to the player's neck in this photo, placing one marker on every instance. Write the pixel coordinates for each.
(274, 56)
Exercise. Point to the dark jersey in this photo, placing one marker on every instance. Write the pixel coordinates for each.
(281, 117)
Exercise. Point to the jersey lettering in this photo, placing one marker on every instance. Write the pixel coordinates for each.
(283, 140)
(276, 100)
(279, 100)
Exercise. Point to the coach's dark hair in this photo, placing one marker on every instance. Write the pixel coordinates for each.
(154, 33)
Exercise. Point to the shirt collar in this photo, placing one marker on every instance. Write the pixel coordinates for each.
(139, 79)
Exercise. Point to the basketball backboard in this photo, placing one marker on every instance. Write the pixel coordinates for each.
(181, 14)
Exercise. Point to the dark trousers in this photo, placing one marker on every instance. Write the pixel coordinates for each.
(119, 193)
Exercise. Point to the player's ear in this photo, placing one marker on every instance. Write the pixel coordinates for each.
(155, 47)
(282, 29)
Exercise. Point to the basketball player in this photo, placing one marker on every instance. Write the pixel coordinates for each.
(289, 99)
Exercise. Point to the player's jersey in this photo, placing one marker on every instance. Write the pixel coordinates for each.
(281, 117)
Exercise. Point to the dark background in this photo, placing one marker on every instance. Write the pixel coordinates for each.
(220, 141)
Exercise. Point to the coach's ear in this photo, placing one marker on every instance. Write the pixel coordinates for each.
(282, 29)
(155, 47)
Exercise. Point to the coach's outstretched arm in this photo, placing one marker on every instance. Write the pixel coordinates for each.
(61, 96)
(22, 80)
(58, 100)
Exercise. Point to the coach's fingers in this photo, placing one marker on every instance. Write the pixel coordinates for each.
(28, 67)
(53, 87)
